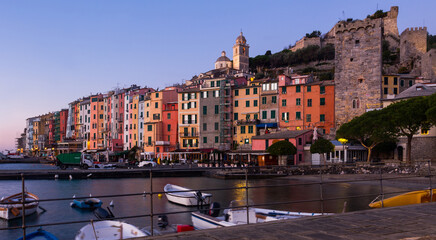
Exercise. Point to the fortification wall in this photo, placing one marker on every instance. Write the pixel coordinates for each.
(305, 42)
(429, 65)
(358, 67)
(413, 43)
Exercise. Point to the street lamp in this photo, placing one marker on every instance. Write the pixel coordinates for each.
(343, 141)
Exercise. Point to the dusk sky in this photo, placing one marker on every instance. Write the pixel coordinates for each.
(54, 52)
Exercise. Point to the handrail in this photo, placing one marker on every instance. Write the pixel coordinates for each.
(321, 182)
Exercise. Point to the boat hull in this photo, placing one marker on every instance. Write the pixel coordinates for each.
(11, 207)
(40, 235)
(187, 198)
(203, 221)
(108, 230)
(186, 201)
(90, 203)
(409, 198)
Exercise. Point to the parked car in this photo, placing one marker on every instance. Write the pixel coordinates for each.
(147, 163)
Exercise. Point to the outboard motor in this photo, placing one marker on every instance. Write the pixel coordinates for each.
(214, 209)
(162, 221)
(102, 214)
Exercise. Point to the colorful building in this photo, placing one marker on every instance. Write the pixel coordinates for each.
(188, 118)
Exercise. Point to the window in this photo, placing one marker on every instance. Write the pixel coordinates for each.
(273, 86)
(235, 116)
(283, 102)
(255, 103)
(255, 116)
(216, 126)
(385, 81)
(322, 89)
(298, 102)
(157, 95)
(149, 128)
(265, 87)
(169, 127)
(264, 114)
(263, 100)
(212, 84)
(204, 110)
(274, 99)
(401, 83)
(298, 88)
(217, 110)
(217, 93)
(356, 103)
(300, 141)
(285, 116)
(156, 105)
(236, 103)
(216, 139)
(283, 90)
(204, 126)
(395, 90)
(250, 129)
(247, 103)
(322, 101)
(168, 115)
(298, 115)
(242, 129)
(237, 92)
(424, 131)
(395, 81)
(309, 88)
(322, 118)
(247, 91)
(254, 90)
(273, 114)
(410, 83)
(309, 102)
(308, 117)
(204, 94)
(247, 116)
(218, 83)
(149, 141)
(204, 139)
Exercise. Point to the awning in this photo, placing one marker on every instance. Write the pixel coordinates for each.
(268, 125)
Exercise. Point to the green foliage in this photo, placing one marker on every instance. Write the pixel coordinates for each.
(309, 70)
(378, 14)
(431, 41)
(322, 146)
(132, 154)
(268, 53)
(313, 34)
(388, 56)
(431, 112)
(287, 58)
(282, 148)
(370, 129)
(403, 70)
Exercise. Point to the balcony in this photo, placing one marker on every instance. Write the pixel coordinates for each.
(162, 143)
(148, 144)
(247, 121)
(187, 134)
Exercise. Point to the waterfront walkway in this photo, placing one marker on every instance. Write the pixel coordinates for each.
(406, 222)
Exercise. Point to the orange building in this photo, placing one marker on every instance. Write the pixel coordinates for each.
(188, 118)
(305, 104)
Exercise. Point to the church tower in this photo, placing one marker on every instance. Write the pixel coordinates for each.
(240, 54)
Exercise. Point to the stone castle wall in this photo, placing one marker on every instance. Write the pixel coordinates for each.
(413, 43)
(305, 42)
(358, 67)
(429, 65)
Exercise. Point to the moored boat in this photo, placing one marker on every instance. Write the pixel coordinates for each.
(39, 235)
(108, 230)
(415, 197)
(237, 214)
(187, 197)
(11, 207)
(87, 203)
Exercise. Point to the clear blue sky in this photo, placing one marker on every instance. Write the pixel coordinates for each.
(53, 52)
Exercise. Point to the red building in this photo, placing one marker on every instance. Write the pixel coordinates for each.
(170, 126)
(63, 117)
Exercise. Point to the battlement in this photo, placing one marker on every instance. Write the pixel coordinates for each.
(415, 29)
(393, 13)
(347, 26)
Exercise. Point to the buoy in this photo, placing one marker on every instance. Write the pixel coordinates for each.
(56, 176)
(71, 177)
(144, 194)
(111, 203)
(90, 195)
(89, 175)
(159, 195)
(74, 196)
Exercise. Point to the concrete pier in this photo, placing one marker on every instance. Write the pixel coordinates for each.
(406, 222)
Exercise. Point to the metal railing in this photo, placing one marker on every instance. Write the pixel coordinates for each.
(246, 187)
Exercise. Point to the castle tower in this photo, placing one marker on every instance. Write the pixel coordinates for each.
(240, 54)
(358, 68)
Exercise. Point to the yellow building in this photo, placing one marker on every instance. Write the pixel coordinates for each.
(188, 118)
(152, 122)
(390, 85)
(245, 113)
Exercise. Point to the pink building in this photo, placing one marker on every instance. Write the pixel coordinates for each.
(297, 137)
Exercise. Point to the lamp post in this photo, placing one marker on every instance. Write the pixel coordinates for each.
(343, 141)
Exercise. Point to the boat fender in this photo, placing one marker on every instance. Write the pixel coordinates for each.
(162, 221)
(214, 209)
(184, 228)
(15, 211)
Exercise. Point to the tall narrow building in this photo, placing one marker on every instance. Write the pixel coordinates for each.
(240, 54)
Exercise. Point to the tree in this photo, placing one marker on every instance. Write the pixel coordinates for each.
(370, 129)
(322, 146)
(282, 149)
(408, 117)
(431, 112)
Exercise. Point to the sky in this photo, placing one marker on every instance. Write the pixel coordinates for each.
(54, 52)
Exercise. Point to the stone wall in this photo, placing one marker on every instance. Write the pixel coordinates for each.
(358, 65)
(413, 43)
(305, 42)
(390, 28)
(423, 148)
(429, 65)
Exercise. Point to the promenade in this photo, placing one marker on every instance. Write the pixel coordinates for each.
(406, 222)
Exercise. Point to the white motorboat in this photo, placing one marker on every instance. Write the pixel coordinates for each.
(11, 207)
(108, 230)
(237, 214)
(187, 197)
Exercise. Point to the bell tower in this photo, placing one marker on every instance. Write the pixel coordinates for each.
(240, 54)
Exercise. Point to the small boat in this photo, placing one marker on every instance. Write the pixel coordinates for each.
(108, 230)
(87, 203)
(237, 214)
(186, 198)
(415, 197)
(165, 228)
(11, 207)
(39, 235)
